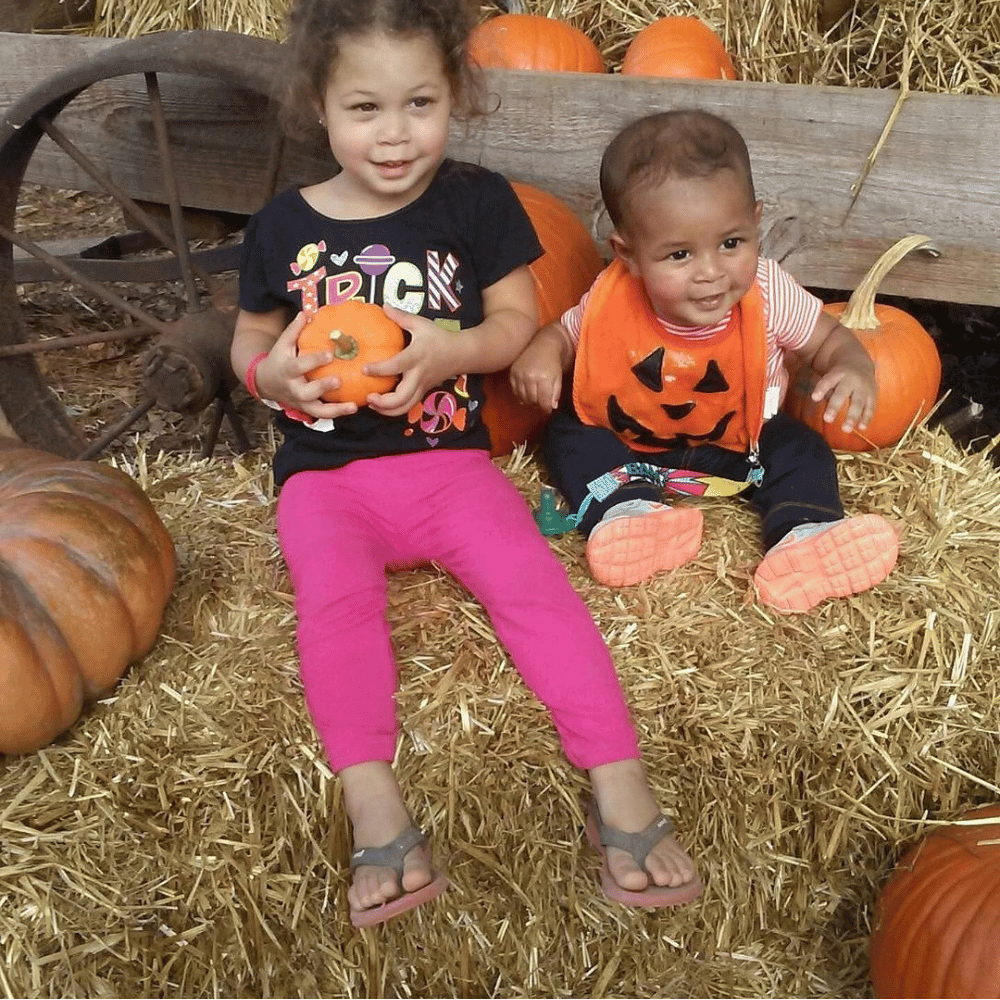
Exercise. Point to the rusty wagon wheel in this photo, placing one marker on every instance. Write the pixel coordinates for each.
(185, 368)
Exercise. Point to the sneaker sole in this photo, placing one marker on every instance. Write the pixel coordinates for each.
(849, 558)
(628, 550)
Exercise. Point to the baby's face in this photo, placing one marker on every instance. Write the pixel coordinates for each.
(693, 242)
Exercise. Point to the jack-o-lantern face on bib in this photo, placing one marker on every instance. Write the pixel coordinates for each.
(700, 411)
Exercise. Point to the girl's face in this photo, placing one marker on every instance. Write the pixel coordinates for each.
(693, 242)
(387, 108)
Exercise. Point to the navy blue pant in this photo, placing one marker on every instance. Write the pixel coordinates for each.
(799, 484)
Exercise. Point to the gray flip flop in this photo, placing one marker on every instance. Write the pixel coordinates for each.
(391, 856)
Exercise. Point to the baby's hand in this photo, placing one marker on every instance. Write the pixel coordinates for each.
(536, 375)
(281, 377)
(428, 359)
(844, 383)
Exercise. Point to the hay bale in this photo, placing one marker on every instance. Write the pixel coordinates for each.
(186, 837)
(938, 46)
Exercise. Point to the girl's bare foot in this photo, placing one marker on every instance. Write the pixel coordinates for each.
(626, 803)
(378, 816)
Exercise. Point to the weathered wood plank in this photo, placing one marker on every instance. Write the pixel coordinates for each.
(935, 174)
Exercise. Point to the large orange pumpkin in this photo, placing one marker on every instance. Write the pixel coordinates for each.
(531, 41)
(358, 333)
(907, 364)
(681, 47)
(937, 923)
(561, 275)
(86, 569)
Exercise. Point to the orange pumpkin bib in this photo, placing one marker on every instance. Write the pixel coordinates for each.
(658, 391)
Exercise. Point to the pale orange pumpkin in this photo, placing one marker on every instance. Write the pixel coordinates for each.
(680, 47)
(86, 569)
(561, 275)
(937, 921)
(531, 41)
(358, 333)
(907, 364)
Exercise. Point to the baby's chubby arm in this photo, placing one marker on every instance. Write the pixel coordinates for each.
(537, 374)
(435, 354)
(280, 376)
(846, 372)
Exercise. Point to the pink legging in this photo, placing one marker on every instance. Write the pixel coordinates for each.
(339, 531)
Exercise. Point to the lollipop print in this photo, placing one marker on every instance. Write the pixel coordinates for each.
(374, 260)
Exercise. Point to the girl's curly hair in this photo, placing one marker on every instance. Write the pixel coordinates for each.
(315, 30)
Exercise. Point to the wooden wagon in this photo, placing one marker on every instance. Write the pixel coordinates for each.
(185, 120)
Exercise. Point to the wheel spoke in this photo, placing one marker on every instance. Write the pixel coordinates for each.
(135, 414)
(102, 292)
(173, 192)
(131, 208)
(77, 340)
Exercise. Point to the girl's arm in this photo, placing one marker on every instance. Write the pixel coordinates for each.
(435, 354)
(537, 375)
(846, 372)
(264, 343)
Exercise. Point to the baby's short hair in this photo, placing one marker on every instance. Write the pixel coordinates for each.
(681, 143)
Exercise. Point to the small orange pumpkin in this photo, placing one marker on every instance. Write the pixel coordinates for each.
(358, 333)
(86, 570)
(531, 41)
(562, 274)
(937, 921)
(681, 47)
(907, 364)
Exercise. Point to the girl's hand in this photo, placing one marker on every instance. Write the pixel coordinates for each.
(536, 376)
(431, 356)
(847, 382)
(281, 377)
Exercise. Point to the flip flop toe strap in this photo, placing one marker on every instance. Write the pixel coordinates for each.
(637, 844)
(391, 855)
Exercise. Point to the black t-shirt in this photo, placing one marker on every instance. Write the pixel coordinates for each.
(432, 257)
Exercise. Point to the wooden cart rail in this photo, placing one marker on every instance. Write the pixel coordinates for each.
(826, 214)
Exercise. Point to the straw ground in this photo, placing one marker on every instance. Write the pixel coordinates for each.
(186, 837)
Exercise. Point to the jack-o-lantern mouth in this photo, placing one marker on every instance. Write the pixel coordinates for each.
(626, 425)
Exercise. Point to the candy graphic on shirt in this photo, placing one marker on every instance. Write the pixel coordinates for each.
(374, 260)
(438, 411)
(308, 257)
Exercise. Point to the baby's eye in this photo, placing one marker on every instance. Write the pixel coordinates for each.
(678, 255)
(732, 243)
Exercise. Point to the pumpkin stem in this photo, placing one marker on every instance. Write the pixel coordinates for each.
(345, 347)
(860, 311)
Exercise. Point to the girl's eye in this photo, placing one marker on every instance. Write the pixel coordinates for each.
(422, 102)
(366, 107)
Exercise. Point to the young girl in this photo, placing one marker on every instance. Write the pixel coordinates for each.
(407, 478)
(677, 355)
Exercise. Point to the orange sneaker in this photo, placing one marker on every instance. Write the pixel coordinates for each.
(638, 538)
(833, 559)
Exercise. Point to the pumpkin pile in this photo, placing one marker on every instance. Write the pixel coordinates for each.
(86, 569)
(937, 923)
